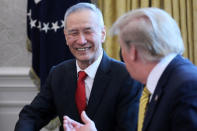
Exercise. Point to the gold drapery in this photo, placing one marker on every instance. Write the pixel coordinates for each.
(183, 11)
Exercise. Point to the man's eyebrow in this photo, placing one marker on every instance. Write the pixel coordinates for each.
(75, 30)
(88, 28)
(72, 30)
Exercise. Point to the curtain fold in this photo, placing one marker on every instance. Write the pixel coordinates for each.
(183, 24)
(194, 33)
(189, 32)
(144, 3)
(155, 3)
(175, 10)
(135, 4)
(183, 11)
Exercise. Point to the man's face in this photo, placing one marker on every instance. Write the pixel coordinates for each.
(84, 36)
(129, 59)
(125, 55)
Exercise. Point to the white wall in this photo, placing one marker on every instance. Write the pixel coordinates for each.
(13, 52)
(16, 90)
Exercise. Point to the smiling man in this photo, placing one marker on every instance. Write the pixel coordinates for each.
(85, 33)
(92, 81)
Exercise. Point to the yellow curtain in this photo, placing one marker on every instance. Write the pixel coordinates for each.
(183, 11)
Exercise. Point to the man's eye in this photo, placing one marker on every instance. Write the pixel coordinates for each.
(73, 33)
(88, 31)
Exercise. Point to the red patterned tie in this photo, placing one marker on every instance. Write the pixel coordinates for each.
(80, 96)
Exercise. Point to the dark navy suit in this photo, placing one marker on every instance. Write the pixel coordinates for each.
(113, 102)
(173, 106)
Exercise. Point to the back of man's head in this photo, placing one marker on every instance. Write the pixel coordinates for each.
(153, 31)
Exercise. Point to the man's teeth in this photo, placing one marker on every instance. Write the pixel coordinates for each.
(82, 49)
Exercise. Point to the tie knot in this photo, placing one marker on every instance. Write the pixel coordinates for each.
(82, 75)
(146, 92)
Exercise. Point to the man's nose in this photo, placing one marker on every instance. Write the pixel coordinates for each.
(82, 39)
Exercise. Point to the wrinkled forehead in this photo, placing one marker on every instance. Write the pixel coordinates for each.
(82, 17)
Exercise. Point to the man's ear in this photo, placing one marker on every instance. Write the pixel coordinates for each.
(65, 34)
(133, 53)
(103, 35)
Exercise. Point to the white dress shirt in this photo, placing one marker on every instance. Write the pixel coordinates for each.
(91, 72)
(156, 73)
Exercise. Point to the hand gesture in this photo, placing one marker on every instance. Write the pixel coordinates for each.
(71, 125)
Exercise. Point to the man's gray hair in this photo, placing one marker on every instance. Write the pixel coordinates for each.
(156, 34)
(84, 6)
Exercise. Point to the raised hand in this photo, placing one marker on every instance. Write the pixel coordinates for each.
(71, 125)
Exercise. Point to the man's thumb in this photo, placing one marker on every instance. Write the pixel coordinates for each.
(85, 118)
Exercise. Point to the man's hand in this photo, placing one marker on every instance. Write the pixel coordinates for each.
(71, 125)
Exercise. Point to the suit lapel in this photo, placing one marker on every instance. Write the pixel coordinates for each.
(159, 91)
(152, 106)
(101, 81)
(69, 92)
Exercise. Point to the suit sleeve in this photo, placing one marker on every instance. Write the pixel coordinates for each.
(184, 116)
(127, 110)
(36, 115)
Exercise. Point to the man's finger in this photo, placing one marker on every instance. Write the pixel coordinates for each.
(85, 118)
(72, 122)
(66, 127)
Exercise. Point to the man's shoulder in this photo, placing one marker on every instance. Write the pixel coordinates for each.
(115, 64)
(181, 67)
(65, 65)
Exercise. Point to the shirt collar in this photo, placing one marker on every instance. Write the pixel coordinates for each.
(157, 71)
(91, 69)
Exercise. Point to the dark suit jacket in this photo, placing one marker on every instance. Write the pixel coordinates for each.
(173, 106)
(113, 103)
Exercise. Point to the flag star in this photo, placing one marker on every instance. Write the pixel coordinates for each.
(39, 25)
(37, 1)
(32, 23)
(62, 22)
(55, 26)
(29, 14)
(46, 27)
